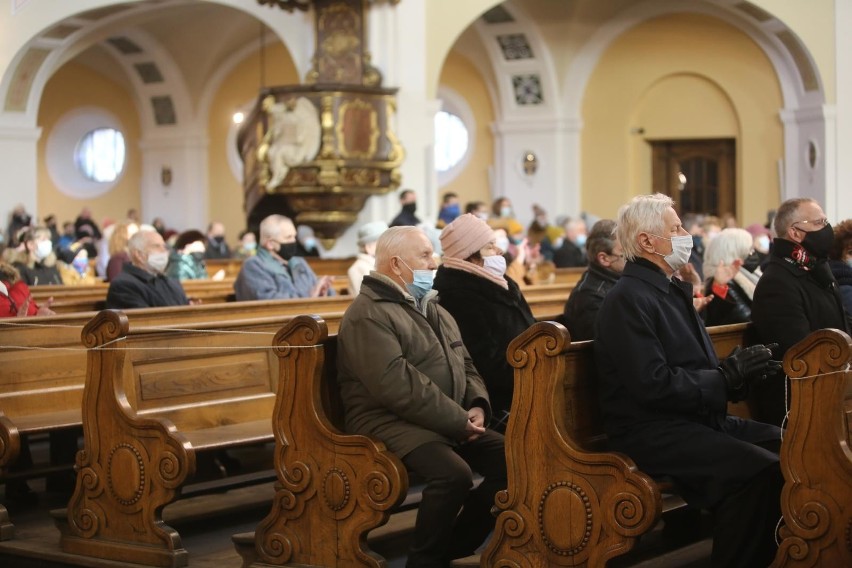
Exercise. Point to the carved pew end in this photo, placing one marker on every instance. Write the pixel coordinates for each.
(7, 529)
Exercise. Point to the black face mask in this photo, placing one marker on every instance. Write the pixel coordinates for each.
(819, 243)
(287, 250)
(410, 208)
(752, 262)
(218, 239)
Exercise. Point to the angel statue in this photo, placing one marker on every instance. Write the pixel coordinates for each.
(292, 138)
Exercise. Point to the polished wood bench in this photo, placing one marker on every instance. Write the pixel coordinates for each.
(568, 501)
(87, 298)
(44, 365)
(816, 459)
(333, 488)
(153, 400)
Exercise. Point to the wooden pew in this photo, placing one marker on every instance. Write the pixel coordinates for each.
(44, 366)
(333, 488)
(815, 455)
(569, 275)
(569, 502)
(153, 399)
(70, 299)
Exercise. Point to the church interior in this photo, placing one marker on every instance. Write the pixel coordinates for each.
(226, 111)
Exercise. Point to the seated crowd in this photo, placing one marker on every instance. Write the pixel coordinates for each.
(422, 347)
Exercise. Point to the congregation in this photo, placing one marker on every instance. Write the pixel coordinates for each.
(426, 295)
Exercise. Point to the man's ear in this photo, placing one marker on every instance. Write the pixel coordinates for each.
(645, 243)
(603, 259)
(794, 234)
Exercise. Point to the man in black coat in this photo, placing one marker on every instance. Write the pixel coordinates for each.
(142, 283)
(797, 293)
(487, 305)
(606, 262)
(406, 216)
(664, 393)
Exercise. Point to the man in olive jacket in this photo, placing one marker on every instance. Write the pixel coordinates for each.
(407, 379)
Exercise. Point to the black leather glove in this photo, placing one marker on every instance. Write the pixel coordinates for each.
(744, 367)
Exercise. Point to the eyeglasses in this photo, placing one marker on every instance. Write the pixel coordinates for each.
(818, 223)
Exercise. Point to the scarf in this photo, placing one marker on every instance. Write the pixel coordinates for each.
(746, 281)
(794, 254)
(471, 268)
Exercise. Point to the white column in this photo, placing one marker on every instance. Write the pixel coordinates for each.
(804, 128)
(19, 163)
(556, 183)
(183, 203)
(842, 206)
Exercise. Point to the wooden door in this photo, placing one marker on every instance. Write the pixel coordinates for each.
(698, 174)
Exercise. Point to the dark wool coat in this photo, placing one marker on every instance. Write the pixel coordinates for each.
(843, 274)
(585, 300)
(489, 318)
(734, 308)
(39, 274)
(662, 395)
(790, 303)
(569, 255)
(136, 288)
(405, 376)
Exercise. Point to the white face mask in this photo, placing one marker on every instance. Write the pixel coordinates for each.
(43, 249)
(681, 249)
(157, 261)
(502, 243)
(495, 265)
(3, 290)
(762, 244)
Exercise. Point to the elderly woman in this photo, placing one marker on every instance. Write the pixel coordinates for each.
(15, 297)
(37, 261)
(731, 285)
(486, 304)
(840, 261)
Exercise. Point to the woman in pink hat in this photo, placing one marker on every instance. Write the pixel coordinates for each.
(487, 305)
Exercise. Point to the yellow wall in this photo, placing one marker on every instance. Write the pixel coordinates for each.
(71, 87)
(239, 87)
(680, 76)
(472, 183)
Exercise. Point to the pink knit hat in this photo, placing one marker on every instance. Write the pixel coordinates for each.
(466, 235)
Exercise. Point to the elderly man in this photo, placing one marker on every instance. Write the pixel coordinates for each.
(142, 283)
(663, 392)
(406, 378)
(797, 293)
(216, 246)
(606, 262)
(275, 272)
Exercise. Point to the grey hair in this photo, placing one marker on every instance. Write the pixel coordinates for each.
(730, 245)
(270, 227)
(601, 239)
(788, 213)
(644, 213)
(139, 240)
(394, 242)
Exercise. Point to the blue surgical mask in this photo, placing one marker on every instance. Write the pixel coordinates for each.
(80, 265)
(581, 239)
(250, 246)
(421, 284)
(505, 212)
(310, 243)
(849, 262)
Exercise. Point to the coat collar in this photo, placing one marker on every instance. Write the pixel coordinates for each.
(139, 273)
(649, 272)
(380, 288)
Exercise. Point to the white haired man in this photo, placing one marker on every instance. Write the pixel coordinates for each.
(275, 272)
(143, 283)
(407, 379)
(664, 393)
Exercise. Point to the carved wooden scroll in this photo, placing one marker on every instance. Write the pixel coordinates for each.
(565, 504)
(130, 469)
(815, 456)
(332, 487)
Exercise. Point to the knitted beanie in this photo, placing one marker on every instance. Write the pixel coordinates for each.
(466, 235)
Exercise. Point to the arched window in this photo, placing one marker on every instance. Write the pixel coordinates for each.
(451, 140)
(100, 155)
(454, 135)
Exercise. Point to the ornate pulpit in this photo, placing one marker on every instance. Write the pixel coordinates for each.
(315, 152)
